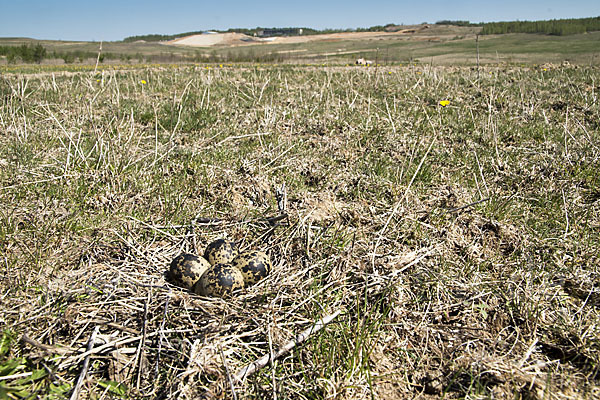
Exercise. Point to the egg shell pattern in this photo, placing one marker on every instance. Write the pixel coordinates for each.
(186, 270)
(219, 280)
(221, 251)
(255, 265)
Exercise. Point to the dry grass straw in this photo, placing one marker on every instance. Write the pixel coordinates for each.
(429, 231)
(141, 316)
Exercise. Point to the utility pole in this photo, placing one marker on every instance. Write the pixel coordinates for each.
(376, 66)
(98, 59)
(477, 43)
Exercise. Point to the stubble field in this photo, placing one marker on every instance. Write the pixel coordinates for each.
(455, 248)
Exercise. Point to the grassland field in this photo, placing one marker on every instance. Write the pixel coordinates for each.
(438, 45)
(457, 246)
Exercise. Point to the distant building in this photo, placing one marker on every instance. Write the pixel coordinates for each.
(279, 32)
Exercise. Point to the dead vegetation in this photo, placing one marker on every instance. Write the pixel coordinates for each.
(456, 247)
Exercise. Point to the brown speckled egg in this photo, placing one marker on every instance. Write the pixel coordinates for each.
(220, 280)
(186, 270)
(255, 265)
(221, 251)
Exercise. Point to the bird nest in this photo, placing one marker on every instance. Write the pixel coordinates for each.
(142, 333)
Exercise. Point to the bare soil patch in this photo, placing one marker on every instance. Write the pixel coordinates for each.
(214, 39)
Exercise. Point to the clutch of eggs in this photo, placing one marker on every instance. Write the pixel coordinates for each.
(221, 271)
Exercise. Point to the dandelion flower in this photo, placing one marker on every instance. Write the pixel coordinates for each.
(444, 103)
(144, 82)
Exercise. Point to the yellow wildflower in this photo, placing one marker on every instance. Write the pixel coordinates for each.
(144, 82)
(444, 103)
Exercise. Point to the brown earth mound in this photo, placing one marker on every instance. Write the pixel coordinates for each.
(237, 39)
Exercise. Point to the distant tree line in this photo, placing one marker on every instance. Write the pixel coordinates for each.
(458, 23)
(70, 57)
(28, 53)
(376, 28)
(157, 37)
(551, 27)
(36, 53)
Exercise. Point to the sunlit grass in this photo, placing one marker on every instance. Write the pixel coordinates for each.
(452, 218)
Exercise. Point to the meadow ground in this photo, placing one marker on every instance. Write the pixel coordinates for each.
(437, 45)
(457, 246)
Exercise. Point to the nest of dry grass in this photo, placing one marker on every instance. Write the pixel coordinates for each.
(161, 340)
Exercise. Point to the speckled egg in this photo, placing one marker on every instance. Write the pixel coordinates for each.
(220, 280)
(221, 251)
(255, 265)
(186, 270)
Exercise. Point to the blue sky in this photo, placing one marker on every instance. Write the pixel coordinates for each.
(114, 20)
